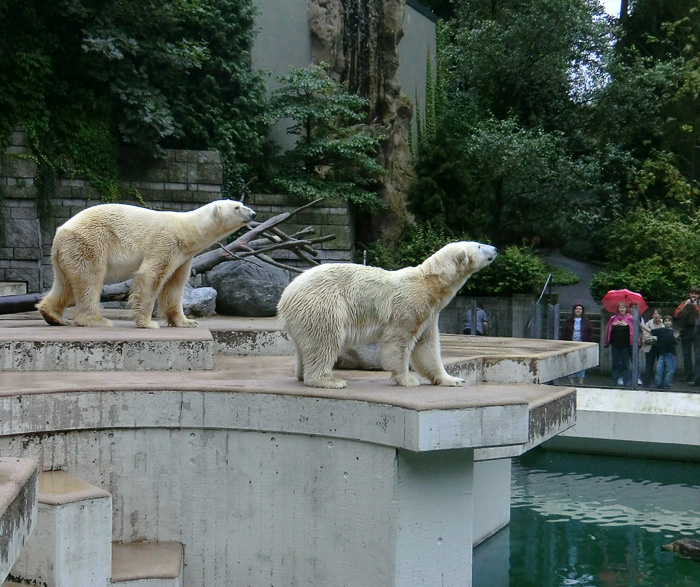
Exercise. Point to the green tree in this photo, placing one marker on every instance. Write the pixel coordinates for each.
(507, 156)
(652, 252)
(334, 153)
(87, 77)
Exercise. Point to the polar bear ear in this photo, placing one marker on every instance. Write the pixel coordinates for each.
(462, 257)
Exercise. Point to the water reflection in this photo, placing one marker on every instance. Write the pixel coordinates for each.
(594, 521)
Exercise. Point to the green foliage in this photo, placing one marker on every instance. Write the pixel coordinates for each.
(88, 77)
(517, 269)
(334, 154)
(417, 242)
(655, 253)
(506, 153)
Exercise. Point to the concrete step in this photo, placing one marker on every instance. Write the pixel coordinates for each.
(123, 348)
(18, 509)
(13, 288)
(72, 544)
(147, 564)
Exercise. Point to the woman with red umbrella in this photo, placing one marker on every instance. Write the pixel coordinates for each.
(618, 336)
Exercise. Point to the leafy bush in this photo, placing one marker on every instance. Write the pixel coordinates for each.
(89, 77)
(515, 270)
(334, 154)
(656, 254)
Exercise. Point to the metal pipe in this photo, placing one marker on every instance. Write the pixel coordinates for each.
(17, 304)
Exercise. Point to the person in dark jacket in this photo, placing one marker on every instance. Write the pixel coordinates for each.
(686, 315)
(577, 328)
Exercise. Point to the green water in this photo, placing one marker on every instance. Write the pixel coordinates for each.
(594, 521)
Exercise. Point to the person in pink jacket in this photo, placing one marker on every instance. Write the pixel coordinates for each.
(618, 336)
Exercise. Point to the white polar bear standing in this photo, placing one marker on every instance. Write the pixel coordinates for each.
(341, 305)
(110, 242)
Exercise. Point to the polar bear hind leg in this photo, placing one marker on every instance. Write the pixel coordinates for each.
(52, 306)
(315, 359)
(170, 298)
(427, 361)
(394, 355)
(87, 286)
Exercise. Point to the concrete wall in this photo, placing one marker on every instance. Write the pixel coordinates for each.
(182, 181)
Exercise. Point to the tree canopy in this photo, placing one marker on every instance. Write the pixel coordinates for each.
(86, 76)
(556, 124)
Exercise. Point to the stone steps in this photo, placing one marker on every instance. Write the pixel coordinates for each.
(73, 543)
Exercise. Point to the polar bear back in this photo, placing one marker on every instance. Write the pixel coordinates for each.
(357, 300)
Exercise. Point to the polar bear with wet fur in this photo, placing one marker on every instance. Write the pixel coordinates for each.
(111, 242)
(338, 305)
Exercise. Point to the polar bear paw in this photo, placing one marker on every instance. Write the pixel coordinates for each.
(91, 320)
(405, 380)
(328, 382)
(450, 381)
(186, 323)
(141, 323)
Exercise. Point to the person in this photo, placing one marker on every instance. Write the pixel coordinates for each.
(686, 314)
(666, 338)
(577, 327)
(618, 336)
(630, 311)
(482, 322)
(649, 347)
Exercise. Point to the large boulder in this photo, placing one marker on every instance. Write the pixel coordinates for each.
(247, 288)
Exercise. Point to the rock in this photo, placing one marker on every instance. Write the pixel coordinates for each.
(247, 288)
(199, 301)
(685, 547)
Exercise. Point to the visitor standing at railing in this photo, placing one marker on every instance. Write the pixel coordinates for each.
(577, 327)
(650, 349)
(686, 315)
(666, 338)
(618, 336)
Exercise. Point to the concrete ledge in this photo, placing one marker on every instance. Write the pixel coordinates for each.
(18, 509)
(370, 411)
(60, 488)
(67, 348)
(638, 423)
(139, 561)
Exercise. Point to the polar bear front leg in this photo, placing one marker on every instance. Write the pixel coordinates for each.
(427, 361)
(170, 298)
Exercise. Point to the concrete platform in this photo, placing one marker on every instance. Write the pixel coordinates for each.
(634, 423)
(266, 480)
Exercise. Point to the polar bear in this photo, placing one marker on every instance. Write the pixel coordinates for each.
(339, 305)
(110, 242)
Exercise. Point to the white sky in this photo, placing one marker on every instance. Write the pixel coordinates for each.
(611, 6)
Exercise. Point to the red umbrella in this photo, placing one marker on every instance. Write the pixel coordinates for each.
(613, 298)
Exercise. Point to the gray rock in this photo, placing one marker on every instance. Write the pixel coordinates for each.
(199, 301)
(247, 288)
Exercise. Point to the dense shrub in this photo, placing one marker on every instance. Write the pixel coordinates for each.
(515, 270)
(655, 254)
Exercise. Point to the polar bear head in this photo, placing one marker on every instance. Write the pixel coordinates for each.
(460, 260)
(231, 214)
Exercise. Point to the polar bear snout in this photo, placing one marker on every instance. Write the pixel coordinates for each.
(489, 252)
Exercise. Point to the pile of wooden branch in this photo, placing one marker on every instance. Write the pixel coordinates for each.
(261, 239)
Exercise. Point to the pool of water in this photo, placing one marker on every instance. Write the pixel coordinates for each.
(594, 521)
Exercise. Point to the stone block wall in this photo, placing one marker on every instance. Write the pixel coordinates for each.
(183, 181)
